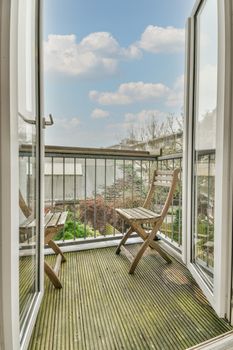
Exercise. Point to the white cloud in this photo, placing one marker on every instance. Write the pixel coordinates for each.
(100, 53)
(144, 116)
(132, 52)
(99, 41)
(176, 96)
(97, 53)
(159, 39)
(109, 98)
(128, 93)
(207, 89)
(105, 44)
(67, 123)
(99, 114)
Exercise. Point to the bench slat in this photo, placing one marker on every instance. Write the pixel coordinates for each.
(62, 218)
(47, 218)
(32, 224)
(27, 222)
(134, 213)
(54, 219)
(139, 213)
(124, 213)
(150, 212)
(144, 213)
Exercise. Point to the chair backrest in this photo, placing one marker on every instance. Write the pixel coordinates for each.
(163, 178)
(167, 178)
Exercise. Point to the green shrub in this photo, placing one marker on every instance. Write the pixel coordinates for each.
(75, 229)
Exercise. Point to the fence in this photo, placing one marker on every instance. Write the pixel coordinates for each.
(91, 183)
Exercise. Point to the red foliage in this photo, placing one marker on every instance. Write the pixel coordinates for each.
(98, 212)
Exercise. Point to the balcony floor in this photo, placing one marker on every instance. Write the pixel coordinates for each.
(102, 307)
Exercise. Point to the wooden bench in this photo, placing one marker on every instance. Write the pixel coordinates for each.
(53, 223)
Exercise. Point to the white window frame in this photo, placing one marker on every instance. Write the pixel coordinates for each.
(9, 182)
(220, 296)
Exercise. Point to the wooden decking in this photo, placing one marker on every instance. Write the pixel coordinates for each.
(27, 278)
(102, 307)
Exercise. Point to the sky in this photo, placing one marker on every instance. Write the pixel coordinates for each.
(109, 65)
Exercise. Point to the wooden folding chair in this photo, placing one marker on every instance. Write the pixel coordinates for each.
(137, 217)
(53, 223)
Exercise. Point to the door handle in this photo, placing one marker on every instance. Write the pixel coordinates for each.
(33, 122)
(49, 122)
(27, 120)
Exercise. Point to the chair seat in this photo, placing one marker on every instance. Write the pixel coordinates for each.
(50, 220)
(138, 214)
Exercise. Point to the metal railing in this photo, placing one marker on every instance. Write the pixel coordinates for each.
(91, 183)
(203, 215)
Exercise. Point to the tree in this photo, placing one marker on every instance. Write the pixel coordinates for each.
(154, 128)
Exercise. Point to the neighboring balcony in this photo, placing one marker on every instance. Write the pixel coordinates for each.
(100, 305)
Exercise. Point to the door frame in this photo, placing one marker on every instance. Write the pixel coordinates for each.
(219, 297)
(9, 182)
(9, 187)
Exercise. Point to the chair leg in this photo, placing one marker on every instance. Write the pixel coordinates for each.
(52, 276)
(138, 256)
(156, 247)
(123, 240)
(149, 242)
(56, 249)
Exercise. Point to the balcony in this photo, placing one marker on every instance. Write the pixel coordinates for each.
(100, 305)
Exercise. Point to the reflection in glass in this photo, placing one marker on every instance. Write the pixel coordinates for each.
(27, 136)
(205, 138)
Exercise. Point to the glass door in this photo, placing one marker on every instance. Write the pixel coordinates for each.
(29, 136)
(207, 198)
(204, 140)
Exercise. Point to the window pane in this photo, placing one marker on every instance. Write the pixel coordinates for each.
(28, 181)
(205, 138)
